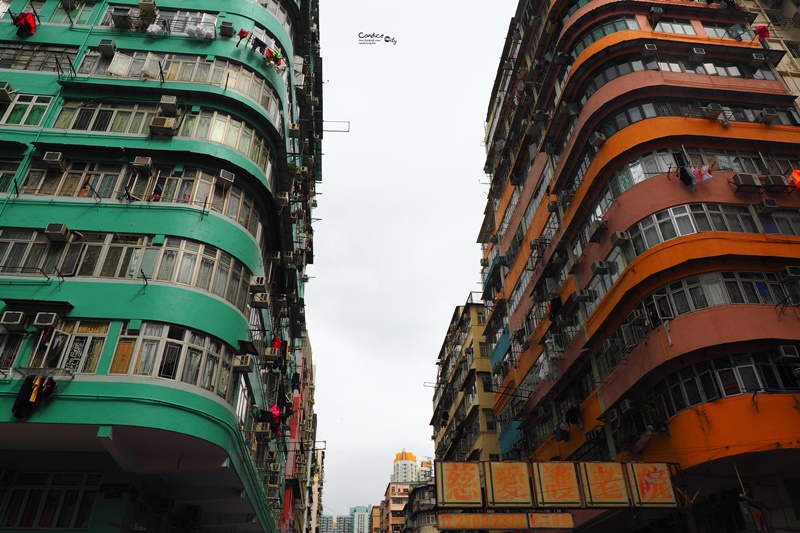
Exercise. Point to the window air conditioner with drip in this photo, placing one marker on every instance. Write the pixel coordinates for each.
(294, 131)
(757, 59)
(789, 352)
(143, 163)
(601, 267)
(789, 273)
(713, 110)
(168, 105)
(625, 406)
(697, 55)
(649, 50)
(107, 47)
(620, 238)
(242, 363)
(747, 182)
(56, 232)
(275, 257)
(259, 283)
(597, 139)
(287, 256)
(272, 355)
(766, 115)
(613, 415)
(766, 206)
(227, 175)
(54, 160)
(121, 18)
(261, 300)
(163, 126)
(637, 318)
(45, 320)
(13, 321)
(585, 295)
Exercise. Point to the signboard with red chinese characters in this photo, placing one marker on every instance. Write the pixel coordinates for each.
(651, 485)
(458, 485)
(604, 485)
(508, 485)
(550, 520)
(556, 484)
(465, 521)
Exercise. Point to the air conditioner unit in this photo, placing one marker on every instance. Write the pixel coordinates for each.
(597, 139)
(585, 295)
(226, 29)
(484, 262)
(746, 179)
(541, 412)
(655, 15)
(162, 126)
(596, 229)
(713, 110)
(274, 467)
(259, 283)
(147, 6)
(45, 320)
(625, 406)
(766, 206)
(142, 163)
(620, 238)
(107, 47)
(227, 175)
(789, 273)
(283, 199)
(54, 160)
(563, 321)
(272, 355)
(261, 300)
(287, 256)
(294, 131)
(13, 321)
(757, 59)
(552, 207)
(649, 50)
(607, 346)
(613, 415)
(168, 105)
(6, 91)
(766, 115)
(275, 257)
(56, 232)
(697, 55)
(789, 352)
(121, 18)
(242, 363)
(563, 58)
(637, 317)
(601, 267)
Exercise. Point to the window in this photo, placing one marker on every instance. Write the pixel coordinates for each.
(79, 15)
(4, 5)
(24, 110)
(9, 346)
(48, 500)
(8, 169)
(75, 346)
(34, 57)
(674, 26)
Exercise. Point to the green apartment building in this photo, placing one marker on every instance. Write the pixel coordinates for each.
(158, 165)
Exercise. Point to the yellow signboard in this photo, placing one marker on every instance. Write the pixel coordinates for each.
(604, 485)
(508, 485)
(482, 521)
(550, 520)
(458, 485)
(556, 484)
(651, 485)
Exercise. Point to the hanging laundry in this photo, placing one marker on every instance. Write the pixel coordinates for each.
(296, 382)
(22, 407)
(762, 33)
(259, 45)
(242, 35)
(276, 341)
(25, 23)
(686, 176)
(49, 387)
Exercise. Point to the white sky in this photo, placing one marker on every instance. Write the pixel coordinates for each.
(401, 206)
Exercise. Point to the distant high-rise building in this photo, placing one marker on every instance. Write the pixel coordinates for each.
(344, 524)
(326, 524)
(425, 472)
(375, 519)
(361, 518)
(405, 468)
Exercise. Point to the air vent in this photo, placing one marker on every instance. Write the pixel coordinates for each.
(226, 29)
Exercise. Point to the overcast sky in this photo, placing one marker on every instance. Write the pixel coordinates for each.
(402, 201)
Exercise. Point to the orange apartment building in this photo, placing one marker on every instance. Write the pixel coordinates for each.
(642, 251)
(394, 501)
